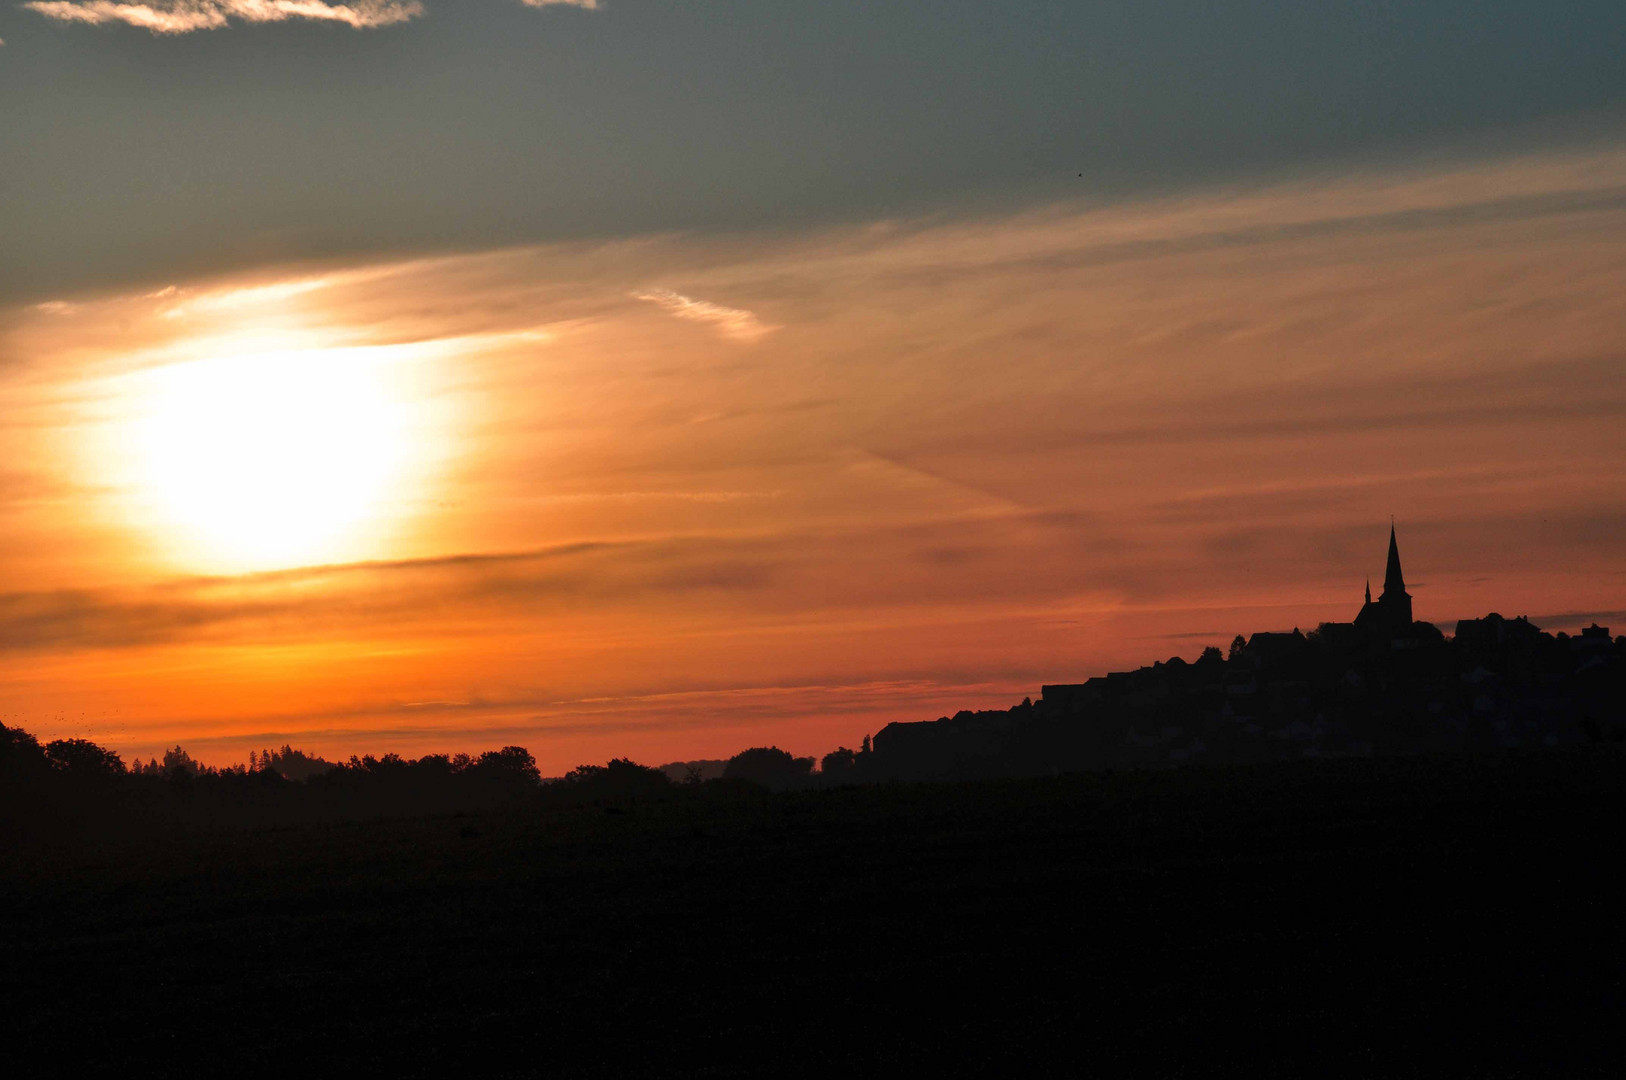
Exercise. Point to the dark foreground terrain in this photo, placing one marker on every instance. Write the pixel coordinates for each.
(1381, 917)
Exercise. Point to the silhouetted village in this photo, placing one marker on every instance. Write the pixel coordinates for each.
(1381, 684)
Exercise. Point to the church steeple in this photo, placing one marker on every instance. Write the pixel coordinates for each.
(1390, 612)
(1394, 583)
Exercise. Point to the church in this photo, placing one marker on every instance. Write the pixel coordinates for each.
(1390, 612)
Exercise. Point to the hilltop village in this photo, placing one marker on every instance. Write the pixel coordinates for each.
(1383, 683)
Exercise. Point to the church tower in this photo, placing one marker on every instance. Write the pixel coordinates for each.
(1392, 610)
(1394, 583)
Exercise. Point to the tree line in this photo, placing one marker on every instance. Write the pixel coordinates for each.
(65, 784)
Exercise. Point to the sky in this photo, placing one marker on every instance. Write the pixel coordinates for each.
(664, 379)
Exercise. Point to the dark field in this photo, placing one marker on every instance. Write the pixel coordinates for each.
(1399, 917)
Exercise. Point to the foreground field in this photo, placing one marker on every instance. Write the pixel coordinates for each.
(1382, 917)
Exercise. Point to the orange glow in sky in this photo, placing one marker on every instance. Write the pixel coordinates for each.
(671, 497)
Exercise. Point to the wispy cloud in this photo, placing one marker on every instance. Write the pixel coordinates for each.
(586, 5)
(186, 16)
(291, 605)
(736, 323)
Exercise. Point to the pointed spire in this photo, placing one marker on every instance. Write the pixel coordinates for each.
(1368, 590)
(1394, 583)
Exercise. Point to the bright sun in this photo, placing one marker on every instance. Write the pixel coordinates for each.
(269, 459)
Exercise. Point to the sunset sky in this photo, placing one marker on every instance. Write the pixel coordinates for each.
(661, 379)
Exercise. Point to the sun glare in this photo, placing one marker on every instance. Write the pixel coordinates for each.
(268, 459)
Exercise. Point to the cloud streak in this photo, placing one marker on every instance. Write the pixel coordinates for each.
(188, 16)
(733, 323)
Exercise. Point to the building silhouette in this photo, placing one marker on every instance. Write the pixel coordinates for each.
(1390, 612)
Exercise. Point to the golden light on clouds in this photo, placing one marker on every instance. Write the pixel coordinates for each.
(813, 483)
(188, 16)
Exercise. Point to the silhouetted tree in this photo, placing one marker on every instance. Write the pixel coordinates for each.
(768, 765)
(177, 760)
(1211, 655)
(81, 758)
(20, 754)
(511, 764)
(433, 768)
(1239, 644)
(294, 764)
(621, 777)
(838, 762)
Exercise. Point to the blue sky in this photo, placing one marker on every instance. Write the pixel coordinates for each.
(132, 155)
